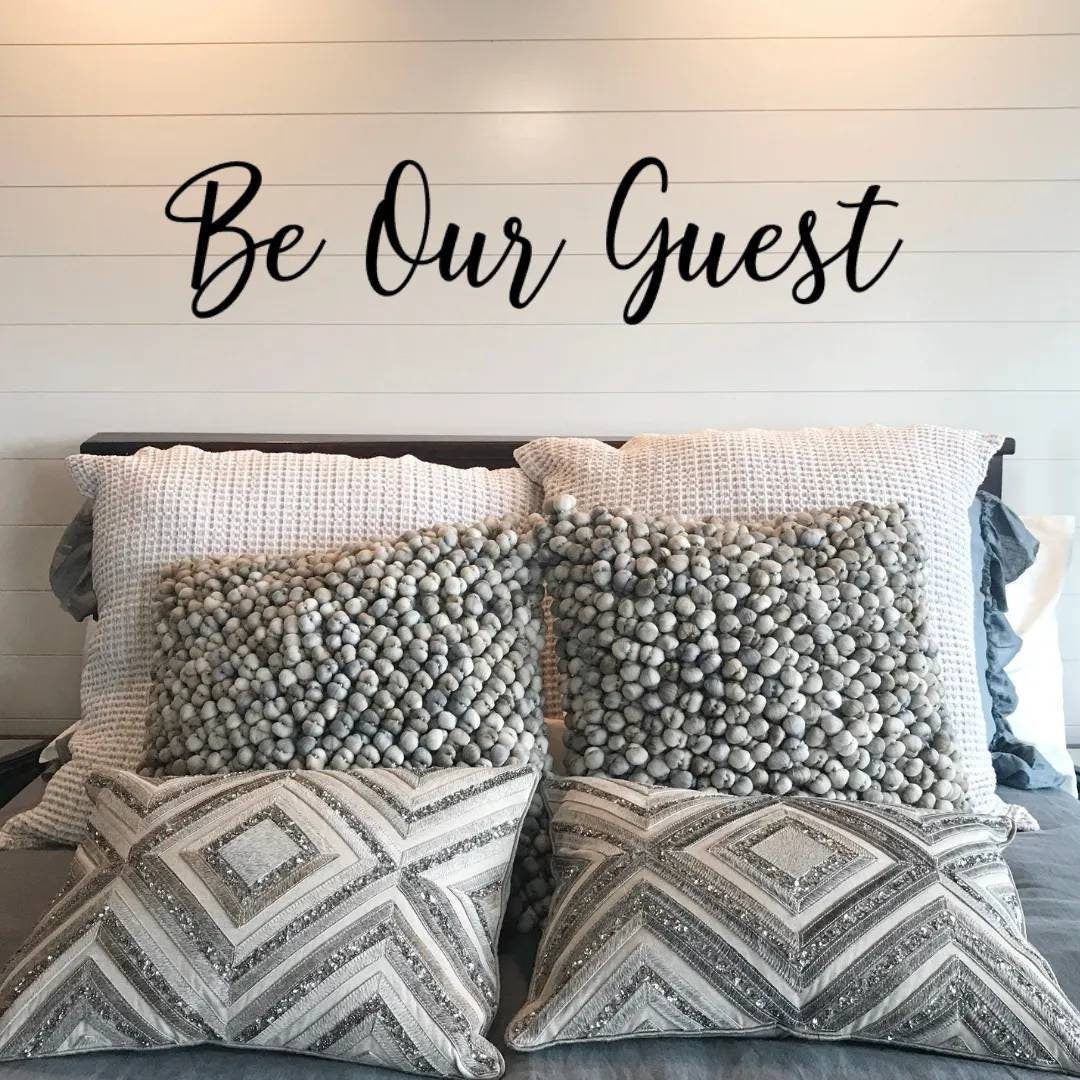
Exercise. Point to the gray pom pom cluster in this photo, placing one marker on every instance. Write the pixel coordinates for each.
(420, 652)
(790, 656)
(532, 885)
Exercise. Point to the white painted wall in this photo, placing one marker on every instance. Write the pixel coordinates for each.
(966, 112)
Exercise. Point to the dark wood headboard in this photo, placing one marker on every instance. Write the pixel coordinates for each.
(462, 451)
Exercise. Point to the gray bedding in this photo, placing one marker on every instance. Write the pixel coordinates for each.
(1046, 866)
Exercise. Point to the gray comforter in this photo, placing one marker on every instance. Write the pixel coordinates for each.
(1046, 866)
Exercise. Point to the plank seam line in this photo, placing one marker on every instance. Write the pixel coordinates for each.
(544, 40)
(560, 183)
(539, 112)
(682, 392)
(657, 322)
(537, 254)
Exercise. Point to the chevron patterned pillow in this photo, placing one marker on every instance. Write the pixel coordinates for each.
(690, 913)
(346, 916)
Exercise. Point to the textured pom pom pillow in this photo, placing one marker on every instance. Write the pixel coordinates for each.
(418, 651)
(753, 474)
(689, 913)
(786, 656)
(158, 506)
(346, 916)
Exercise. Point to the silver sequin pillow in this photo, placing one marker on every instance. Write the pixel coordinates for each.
(787, 656)
(346, 916)
(689, 913)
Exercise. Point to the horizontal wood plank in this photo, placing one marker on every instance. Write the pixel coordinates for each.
(35, 492)
(1042, 487)
(812, 357)
(48, 425)
(480, 20)
(32, 729)
(930, 217)
(552, 77)
(39, 687)
(841, 148)
(25, 554)
(33, 623)
(1036, 287)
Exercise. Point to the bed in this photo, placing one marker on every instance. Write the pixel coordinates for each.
(1045, 864)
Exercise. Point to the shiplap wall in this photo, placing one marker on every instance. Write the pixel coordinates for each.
(966, 112)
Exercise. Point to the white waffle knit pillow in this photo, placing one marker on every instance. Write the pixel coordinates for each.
(755, 474)
(161, 505)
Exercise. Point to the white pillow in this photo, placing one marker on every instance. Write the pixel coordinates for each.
(157, 506)
(753, 474)
(1036, 670)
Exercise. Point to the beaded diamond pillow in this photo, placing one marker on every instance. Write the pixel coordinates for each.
(351, 916)
(786, 656)
(689, 913)
(417, 652)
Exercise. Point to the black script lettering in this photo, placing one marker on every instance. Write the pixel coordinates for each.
(211, 223)
(658, 249)
(862, 214)
(384, 226)
(643, 295)
(816, 274)
(850, 251)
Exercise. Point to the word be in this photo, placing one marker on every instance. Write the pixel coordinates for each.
(211, 222)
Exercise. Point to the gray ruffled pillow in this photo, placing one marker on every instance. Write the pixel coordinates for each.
(791, 656)
(1002, 548)
(71, 575)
